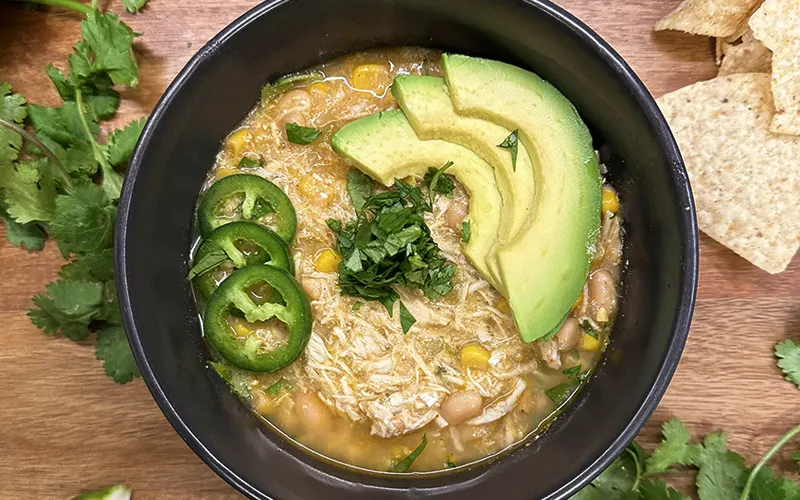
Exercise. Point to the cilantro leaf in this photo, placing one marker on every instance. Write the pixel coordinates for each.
(466, 231)
(438, 182)
(618, 480)
(12, 110)
(359, 187)
(90, 267)
(115, 352)
(655, 489)
(29, 236)
(29, 191)
(134, 6)
(722, 472)
(275, 388)
(796, 458)
(102, 100)
(788, 354)
(356, 306)
(250, 162)
(765, 486)
(407, 319)
(572, 371)
(67, 306)
(674, 449)
(122, 141)
(61, 124)
(107, 47)
(404, 464)
(297, 134)
(511, 143)
(84, 221)
(561, 392)
(209, 261)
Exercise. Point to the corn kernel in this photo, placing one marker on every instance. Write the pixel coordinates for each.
(241, 328)
(602, 315)
(370, 77)
(307, 185)
(610, 201)
(327, 261)
(237, 141)
(589, 343)
(475, 356)
(320, 87)
(502, 305)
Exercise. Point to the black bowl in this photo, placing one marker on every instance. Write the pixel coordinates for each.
(221, 84)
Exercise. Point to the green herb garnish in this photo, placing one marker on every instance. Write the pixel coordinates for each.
(209, 261)
(788, 354)
(722, 474)
(572, 371)
(359, 187)
(466, 231)
(511, 143)
(356, 306)
(66, 184)
(407, 320)
(587, 328)
(560, 393)
(116, 492)
(404, 464)
(388, 244)
(450, 464)
(301, 135)
(438, 182)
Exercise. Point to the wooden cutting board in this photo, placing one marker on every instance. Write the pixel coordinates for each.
(65, 426)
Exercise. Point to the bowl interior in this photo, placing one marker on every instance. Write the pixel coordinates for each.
(221, 84)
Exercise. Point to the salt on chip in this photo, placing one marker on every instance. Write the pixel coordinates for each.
(718, 18)
(749, 56)
(745, 179)
(777, 24)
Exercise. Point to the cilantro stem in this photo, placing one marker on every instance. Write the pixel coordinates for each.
(44, 149)
(112, 181)
(81, 8)
(772, 451)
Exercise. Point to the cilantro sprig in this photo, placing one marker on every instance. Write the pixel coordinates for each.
(65, 184)
(721, 473)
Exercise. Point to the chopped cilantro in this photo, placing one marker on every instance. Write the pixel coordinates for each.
(511, 143)
(356, 306)
(466, 231)
(450, 464)
(209, 261)
(275, 388)
(788, 354)
(388, 244)
(404, 464)
(674, 449)
(407, 320)
(113, 348)
(359, 187)
(438, 182)
(297, 134)
(573, 371)
(561, 392)
(588, 330)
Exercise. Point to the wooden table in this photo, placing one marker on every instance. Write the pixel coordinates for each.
(65, 426)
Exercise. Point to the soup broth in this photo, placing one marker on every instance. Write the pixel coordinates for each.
(364, 393)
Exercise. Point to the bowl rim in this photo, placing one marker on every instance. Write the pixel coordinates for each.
(687, 223)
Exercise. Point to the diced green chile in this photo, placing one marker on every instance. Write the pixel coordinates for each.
(269, 249)
(231, 296)
(259, 198)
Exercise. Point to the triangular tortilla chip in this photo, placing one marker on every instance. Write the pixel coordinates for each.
(777, 24)
(719, 18)
(750, 56)
(746, 179)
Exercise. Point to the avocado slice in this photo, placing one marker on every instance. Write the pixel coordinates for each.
(427, 105)
(385, 147)
(545, 266)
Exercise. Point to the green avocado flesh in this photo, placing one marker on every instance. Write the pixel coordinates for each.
(427, 105)
(545, 266)
(385, 147)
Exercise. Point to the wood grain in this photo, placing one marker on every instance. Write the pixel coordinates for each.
(65, 426)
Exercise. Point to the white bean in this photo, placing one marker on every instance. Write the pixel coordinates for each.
(461, 406)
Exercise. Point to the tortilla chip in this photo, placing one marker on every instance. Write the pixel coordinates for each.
(777, 24)
(750, 56)
(746, 180)
(718, 18)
